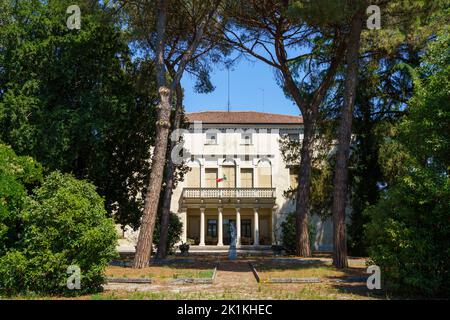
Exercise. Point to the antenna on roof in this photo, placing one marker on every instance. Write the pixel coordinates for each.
(228, 106)
(262, 98)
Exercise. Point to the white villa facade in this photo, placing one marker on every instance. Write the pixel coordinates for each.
(242, 148)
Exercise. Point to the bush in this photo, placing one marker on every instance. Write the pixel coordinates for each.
(175, 230)
(408, 234)
(18, 175)
(65, 224)
(288, 230)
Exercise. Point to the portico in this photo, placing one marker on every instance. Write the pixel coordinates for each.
(209, 219)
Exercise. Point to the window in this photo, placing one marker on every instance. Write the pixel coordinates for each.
(264, 175)
(193, 177)
(247, 178)
(294, 137)
(246, 228)
(246, 138)
(212, 228)
(229, 173)
(211, 177)
(293, 177)
(211, 138)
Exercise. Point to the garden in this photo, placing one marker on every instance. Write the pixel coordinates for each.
(86, 116)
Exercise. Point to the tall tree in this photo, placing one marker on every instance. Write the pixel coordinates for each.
(75, 101)
(202, 12)
(211, 51)
(386, 87)
(409, 227)
(273, 31)
(343, 147)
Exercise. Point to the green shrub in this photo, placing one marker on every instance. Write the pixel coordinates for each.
(409, 233)
(288, 230)
(175, 230)
(65, 224)
(13, 272)
(18, 175)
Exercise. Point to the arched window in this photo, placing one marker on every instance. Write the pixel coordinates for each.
(264, 174)
(193, 176)
(228, 174)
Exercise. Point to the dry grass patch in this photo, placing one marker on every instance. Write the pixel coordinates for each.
(306, 268)
(173, 271)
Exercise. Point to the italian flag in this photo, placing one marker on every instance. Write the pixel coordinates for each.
(221, 179)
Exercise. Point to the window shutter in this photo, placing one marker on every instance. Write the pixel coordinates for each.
(230, 173)
(265, 177)
(210, 178)
(246, 178)
(193, 178)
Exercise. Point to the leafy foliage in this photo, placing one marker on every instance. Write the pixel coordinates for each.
(321, 175)
(174, 233)
(62, 223)
(410, 226)
(383, 90)
(288, 233)
(65, 224)
(17, 177)
(75, 101)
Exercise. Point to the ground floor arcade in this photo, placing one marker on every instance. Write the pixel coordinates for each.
(212, 226)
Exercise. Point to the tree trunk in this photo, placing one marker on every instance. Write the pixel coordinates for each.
(343, 149)
(170, 173)
(145, 239)
(303, 248)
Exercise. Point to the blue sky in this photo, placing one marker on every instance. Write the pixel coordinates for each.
(247, 79)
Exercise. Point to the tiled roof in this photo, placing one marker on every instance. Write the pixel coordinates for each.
(237, 117)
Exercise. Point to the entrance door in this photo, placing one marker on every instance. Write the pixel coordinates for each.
(227, 230)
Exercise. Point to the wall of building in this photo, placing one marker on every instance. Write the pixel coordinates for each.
(229, 149)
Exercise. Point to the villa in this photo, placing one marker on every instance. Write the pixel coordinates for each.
(237, 177)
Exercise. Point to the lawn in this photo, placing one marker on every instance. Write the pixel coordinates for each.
(261, 292)
(235, 281)
(163, 272)
(312, 268)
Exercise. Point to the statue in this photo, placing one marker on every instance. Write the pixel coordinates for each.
(232, 254)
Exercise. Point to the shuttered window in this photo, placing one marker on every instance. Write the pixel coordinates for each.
(247, 178)
(210, 177)
(230, 177)
(265, 177)
(193, 178)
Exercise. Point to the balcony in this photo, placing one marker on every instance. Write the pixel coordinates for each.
(236, 193)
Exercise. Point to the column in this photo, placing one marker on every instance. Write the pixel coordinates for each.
(220, 228)
(238, 226)
(256, 228)
(202, 226)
